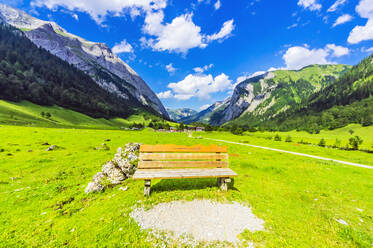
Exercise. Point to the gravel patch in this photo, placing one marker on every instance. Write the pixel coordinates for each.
(202, 219)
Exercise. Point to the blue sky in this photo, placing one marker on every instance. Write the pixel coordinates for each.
(193, 52)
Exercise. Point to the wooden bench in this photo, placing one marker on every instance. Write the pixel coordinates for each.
(176, 162)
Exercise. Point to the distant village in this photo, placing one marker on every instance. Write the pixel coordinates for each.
(187, 129)
(169, 129)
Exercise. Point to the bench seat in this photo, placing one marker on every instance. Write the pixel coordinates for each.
(178, 161)
(142, 174)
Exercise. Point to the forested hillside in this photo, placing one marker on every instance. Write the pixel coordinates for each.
(348, 100)
(262, 97)
(31, 73)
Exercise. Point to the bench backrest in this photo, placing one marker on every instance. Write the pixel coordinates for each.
(176, 156)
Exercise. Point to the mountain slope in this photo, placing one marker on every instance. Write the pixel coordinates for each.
(205, 115)
(28, 114)
(348, 100)
(262, 97)
(181, 113)
(96, 59)
(31, 73)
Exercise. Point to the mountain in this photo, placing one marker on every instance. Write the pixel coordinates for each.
(181, 113)
(205, 115)
(348, 100)
(265, 96)
(95, 59)
(28, 72)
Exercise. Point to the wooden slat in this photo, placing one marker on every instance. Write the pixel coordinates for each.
(180, 148)
(142, 174)
(183, 156)
(181, 164)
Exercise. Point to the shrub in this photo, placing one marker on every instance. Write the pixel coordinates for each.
(288, 139)
(277, 137)
(322, 142)
(237, 131)
(355, 142)
(337, 143)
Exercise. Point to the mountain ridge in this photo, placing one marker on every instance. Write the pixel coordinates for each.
(266, 95)
(180, 113)
(95, 59)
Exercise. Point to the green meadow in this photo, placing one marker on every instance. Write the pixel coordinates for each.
(26, 113)
(301, 200)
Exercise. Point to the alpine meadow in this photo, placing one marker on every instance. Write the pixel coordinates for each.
(200, 123)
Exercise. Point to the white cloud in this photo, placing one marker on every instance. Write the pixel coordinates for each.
(203, 68)
(180, 35)
(75, 16)
(361, 33)
(123, 47)
(199, 85)
(203, 107)
(365, 9)
(336, 5)
(370, 50)
(99, 9)
(337, 51)
(224, 32)
(165, 94)
(293, 26)
(170, 68)
(297, 57)
(310, 4)
(342, 19)
(217, 5)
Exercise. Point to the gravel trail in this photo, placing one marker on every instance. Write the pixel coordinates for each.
(203, 219)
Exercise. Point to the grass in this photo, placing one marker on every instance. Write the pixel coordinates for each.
(330, 136)
(28, 114)
(43, 204)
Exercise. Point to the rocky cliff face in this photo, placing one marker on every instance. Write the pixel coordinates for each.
(181, 113)
(265, 96)
(96, 59)
(205, 115)
(244, 99)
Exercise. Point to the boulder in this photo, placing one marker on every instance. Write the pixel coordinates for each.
(51, 148)
(98, 178)
(93, 187)
(114, 174)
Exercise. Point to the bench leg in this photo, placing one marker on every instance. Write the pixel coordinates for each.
(224, 183)
(147, 187)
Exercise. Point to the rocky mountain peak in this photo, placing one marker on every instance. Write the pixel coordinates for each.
(94, 58)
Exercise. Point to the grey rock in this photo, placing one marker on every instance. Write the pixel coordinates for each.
(51, 148)
(98, 178)
(93, 187)
(132, 157)
(114, 174)
(123, 188)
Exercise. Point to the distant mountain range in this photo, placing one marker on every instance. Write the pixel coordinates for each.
(95, 59)
(265, 96)
(179, 114)
(204, 116)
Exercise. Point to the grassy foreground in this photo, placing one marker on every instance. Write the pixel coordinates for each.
(43, 204)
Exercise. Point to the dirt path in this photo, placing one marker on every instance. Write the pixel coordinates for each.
(204, 220)
(297, 153)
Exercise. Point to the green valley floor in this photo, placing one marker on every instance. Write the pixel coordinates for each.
(303, 201)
